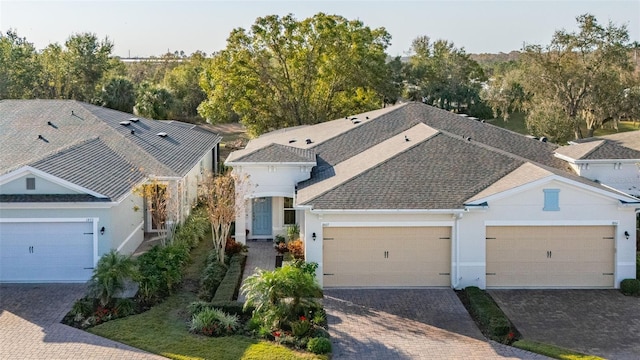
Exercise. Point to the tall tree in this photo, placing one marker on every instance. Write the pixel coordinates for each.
(87, 60)
(285, 72)
(585, 73)
(153, 101)
(442, 75)
(19, 67)
(119, 94)
(184, 83)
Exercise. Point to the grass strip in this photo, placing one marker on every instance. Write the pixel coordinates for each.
(553, 351)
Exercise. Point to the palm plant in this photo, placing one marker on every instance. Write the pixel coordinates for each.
(110, 275)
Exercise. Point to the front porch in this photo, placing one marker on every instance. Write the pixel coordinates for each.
(265, 217)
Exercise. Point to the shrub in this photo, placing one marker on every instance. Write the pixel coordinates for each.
(214, 322)
(300, 328)
(232, 247)
(161, 270)
(638, 266)
(630, 287)
(109, 276)
(319, 345)
(489, 314)
(320, 332)
(296, 248)
(307, 267)
(124, 307)
(279, 239)
(293, 232)
(228, 288)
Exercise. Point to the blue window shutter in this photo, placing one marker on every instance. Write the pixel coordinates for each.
(551, 200)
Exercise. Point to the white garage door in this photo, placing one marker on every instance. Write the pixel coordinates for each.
(550, 256)
(386, 256)
(46, 251)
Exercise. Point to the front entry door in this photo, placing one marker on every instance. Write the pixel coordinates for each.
(261, 215)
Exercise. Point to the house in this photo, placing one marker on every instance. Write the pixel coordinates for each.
(68, 171)
(412, 195)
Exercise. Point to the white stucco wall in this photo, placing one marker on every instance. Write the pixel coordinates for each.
(623, 176)
(126, 224)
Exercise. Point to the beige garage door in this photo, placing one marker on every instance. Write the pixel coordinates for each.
(550, 256)
(386, 256)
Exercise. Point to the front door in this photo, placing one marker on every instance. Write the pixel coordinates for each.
(261, 215)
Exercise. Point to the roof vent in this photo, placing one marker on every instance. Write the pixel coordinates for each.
(366, 117)
(40, 137)
(482, 121)
(308, 141)
(125, 123)
(356, 122)
(467, 138)
(49, 123)
(354, 118)
(292, 141)
(543, 139)
(134, 119)
(162, 134)
(72, 113)
(133, 132)
(406, 138)
(463, 115)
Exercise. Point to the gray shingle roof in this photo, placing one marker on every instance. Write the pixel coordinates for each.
(440, 173)
(611, 150)
(36, 131)
(279, 153)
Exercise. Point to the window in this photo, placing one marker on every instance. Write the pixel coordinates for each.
(551, 200)
(289, 212)
(31, 183)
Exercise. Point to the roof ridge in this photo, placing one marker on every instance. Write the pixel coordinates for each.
(600, 142)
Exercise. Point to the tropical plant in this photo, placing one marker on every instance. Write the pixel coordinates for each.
(281, 295)
(293, 232)
(214, 322)
(296, 248)
(110, 275)
(118, 94)
(319, 345)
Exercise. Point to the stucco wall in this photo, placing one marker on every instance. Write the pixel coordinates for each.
(43, 186)
(624, 176)
(126, 224)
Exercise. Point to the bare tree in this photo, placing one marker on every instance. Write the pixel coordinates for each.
(219, 194)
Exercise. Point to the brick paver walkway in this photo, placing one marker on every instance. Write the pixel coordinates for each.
(262, 255)
(30, 326)
(407, 324)
(596, 322)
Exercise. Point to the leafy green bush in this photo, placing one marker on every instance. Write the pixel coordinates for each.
(638, 265)
(82, 308)
(229, 307)
(124, 307)
(161, 270)
(109, 276)
(489, 314)
(319, 345)
(228, 288)
(300, 328)
(282, 295)
(630, 287)
(214, 322)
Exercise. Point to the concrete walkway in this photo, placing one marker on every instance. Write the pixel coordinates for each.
(595, 322)
(407, 324)
(30, 327)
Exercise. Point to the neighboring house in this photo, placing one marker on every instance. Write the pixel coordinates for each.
(412, 195)
(67, 174)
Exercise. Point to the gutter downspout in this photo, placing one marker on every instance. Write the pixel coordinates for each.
(456, 239)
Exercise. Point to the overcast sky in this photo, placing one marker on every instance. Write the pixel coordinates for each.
(144, 28)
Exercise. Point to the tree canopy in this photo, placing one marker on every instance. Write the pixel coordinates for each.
(285, 72)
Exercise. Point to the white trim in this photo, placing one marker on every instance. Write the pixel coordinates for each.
(254, 195)
(267, 164)
(473, 264)
(93, 220)
(385, 211)
(59, 205)
(388, 224)
(54, 179)
(131, 235)
(626, 263)
(552, 223)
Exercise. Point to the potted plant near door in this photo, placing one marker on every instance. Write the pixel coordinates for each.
(280, 245)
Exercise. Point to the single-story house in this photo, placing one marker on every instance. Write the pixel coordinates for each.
(68, 175)
(412, 195)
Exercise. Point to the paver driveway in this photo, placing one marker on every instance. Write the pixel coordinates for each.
(407, 324)
(30, 326)
(596, 322)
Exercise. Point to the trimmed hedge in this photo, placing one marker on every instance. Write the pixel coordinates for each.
(488, 313)
(638, 265)
(210, 279)
(228, 289)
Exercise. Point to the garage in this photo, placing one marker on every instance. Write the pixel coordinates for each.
(61, 251)
(386, 256)
(550, 256)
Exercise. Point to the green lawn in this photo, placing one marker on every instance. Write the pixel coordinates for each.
(517, 123)
(553, 351)
(163, 330)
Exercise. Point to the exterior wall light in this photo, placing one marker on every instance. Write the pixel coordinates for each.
(313, 236)
(626, 234)
(102, 230)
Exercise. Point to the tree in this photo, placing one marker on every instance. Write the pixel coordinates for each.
(441, 75)
(19, 67)
(118, 94)
(153, 102)
(505, 94)
(584, 73)
(286, 72)
(184, 83)
(219, 194)
(87, 60)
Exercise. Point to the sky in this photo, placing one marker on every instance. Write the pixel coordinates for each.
(151, 28)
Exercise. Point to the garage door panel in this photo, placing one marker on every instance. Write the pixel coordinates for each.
(46, 252)
(416, 256)
(551, 256)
